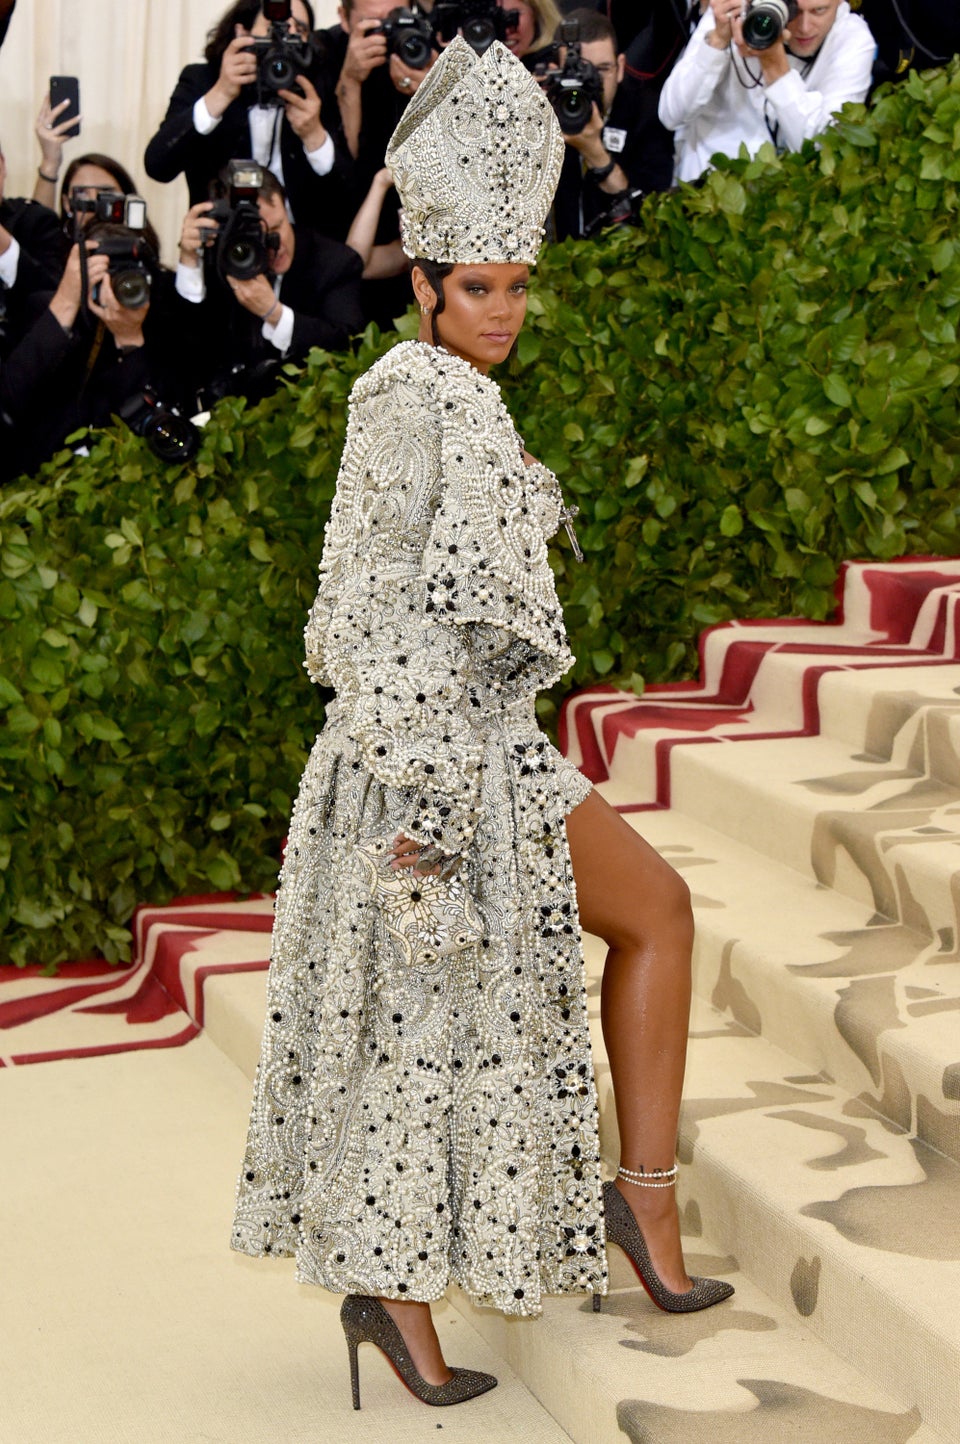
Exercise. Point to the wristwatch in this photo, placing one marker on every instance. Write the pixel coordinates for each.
(600, 172)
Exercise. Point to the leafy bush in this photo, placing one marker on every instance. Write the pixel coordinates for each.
(759, 381)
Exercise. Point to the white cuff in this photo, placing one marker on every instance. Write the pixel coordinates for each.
(280, 334)
(189, 283)
(321, 160)
(10, 263)
(203, 121)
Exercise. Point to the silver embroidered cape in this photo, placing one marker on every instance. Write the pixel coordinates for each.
(424, 1106)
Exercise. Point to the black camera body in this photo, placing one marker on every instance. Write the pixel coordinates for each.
(132, 262)
(577, 88)
(241, 244)
(116, 225)
(481, 22)
(409, 35)
(764, 21)
(281, 56)
(169, 435)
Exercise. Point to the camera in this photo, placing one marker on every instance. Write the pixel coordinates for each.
(281, 56)
(480, 22)
(409, 35)
(577, 88)
(106, 205)
(242, 243)
(624, 209)
(764, 21)
(132, 258)
(169, 435)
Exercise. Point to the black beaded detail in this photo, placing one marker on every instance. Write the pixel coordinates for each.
(366, 1321)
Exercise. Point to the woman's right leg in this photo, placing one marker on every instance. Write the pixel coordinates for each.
(640, 907)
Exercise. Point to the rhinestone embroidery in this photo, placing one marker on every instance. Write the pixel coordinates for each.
(424, 1107)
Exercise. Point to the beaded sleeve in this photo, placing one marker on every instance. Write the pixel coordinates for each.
(436, 599)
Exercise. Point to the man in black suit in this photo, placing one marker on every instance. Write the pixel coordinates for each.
(241, 331)
(214, 116)
(31, 262)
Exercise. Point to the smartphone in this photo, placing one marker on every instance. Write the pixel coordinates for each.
(66, 87)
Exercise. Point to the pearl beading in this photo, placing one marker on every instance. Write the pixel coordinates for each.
(475, 159)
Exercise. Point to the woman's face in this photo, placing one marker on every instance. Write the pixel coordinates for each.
(89, 179)
(484, 307)
(520, 39)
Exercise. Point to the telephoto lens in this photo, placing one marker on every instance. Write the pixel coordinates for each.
(765, 21)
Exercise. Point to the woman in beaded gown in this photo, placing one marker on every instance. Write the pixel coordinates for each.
(424, 1109)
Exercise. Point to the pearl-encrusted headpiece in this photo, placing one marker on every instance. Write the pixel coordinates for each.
(476, 159)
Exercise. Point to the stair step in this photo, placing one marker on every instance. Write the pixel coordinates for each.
(833, 1213)
(812, 805)
(871, 1004)
(633, 1369)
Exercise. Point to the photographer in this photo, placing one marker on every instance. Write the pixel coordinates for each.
(723, 94)
(613, 154)
(372, 83)
(220, 109)
(84, 356)
(30, 261)
(305, 293)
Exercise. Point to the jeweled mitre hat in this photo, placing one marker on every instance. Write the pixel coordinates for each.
(476, 159)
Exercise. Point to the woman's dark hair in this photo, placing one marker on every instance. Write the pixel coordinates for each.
(242, 12)
(435, 273)
(123, 180)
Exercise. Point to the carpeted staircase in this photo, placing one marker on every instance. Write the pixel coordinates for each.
(808, 789)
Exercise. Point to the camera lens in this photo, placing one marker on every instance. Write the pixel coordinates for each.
(171, 437)
(415, 51)
(131, 288)
(479, 34)
(280, 74)
(763, 24)
(242, 259)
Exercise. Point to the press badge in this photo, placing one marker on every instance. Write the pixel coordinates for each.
(613, 139)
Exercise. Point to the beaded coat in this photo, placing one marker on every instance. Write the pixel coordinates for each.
(424, 1107)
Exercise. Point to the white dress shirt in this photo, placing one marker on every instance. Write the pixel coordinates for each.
(706, 102)
(192, 287)
(264, 122)
(10, 264)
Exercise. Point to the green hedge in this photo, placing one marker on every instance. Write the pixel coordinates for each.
(758, 382)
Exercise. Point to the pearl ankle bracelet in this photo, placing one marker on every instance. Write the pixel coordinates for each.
(655, 1178)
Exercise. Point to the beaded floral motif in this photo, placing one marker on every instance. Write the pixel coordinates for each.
(425, 1112)
(476, 159)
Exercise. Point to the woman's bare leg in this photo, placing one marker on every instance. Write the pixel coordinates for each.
(640, 907)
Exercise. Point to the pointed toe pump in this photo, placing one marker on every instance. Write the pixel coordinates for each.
(366, 1321)
(625, 1232)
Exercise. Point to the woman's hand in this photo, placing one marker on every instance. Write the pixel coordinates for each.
(124, 323)
(65, 302)
(425, 861)
(51, 135)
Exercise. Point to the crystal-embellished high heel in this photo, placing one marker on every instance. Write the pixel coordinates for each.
(625, 1232)
(366, 1321)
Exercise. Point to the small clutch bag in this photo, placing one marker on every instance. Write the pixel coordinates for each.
(429, 917)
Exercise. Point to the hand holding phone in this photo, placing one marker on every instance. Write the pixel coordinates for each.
(66, 88)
